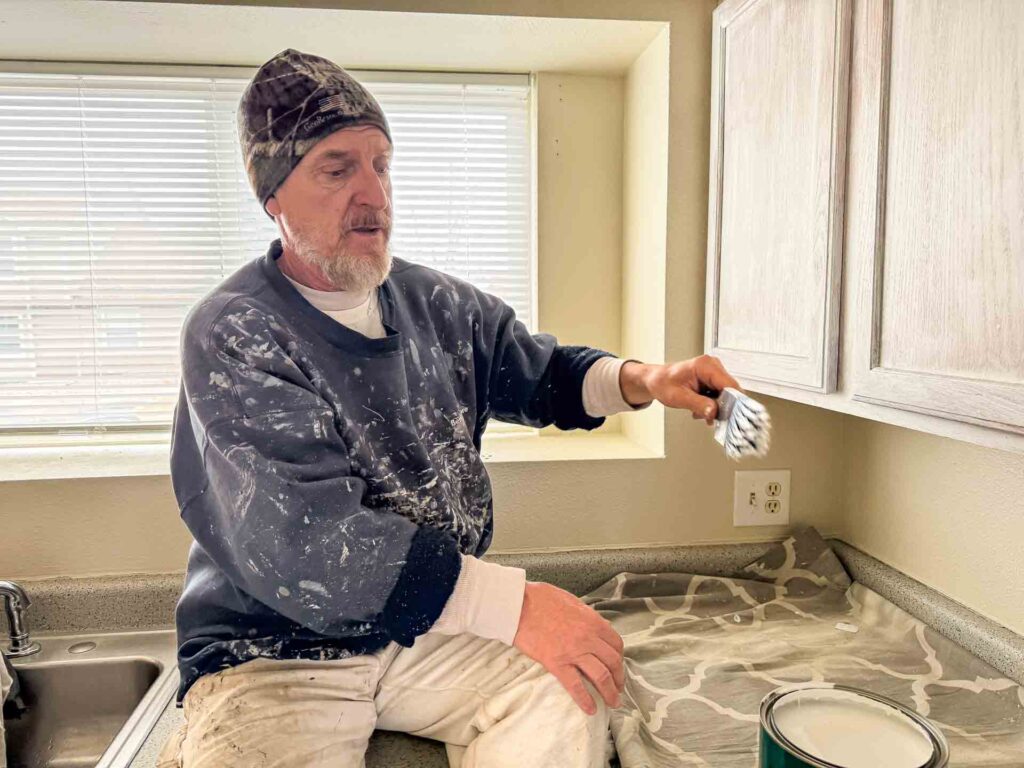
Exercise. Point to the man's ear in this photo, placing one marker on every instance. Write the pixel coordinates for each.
(273, 207)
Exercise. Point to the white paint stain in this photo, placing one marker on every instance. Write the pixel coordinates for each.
(314, 586)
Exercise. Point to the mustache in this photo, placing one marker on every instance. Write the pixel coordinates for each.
(379, 220)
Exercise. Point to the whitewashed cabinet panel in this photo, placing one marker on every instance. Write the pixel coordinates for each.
(779, 95)
(942, 326)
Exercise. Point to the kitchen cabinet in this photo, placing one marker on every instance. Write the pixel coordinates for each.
(779, 94)
(924, 248)
(941, 330)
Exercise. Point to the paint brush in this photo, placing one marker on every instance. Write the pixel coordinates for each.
(742, 426)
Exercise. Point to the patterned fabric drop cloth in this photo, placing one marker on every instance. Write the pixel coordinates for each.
(702, 651)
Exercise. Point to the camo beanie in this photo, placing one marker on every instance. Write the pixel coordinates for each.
(292, 102)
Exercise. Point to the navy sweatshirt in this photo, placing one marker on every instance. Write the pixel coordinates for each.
(330, 480)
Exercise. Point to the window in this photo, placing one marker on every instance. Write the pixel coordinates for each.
(123, 200)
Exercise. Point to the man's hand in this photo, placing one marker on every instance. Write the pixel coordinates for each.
(677, 385)
(571, 639)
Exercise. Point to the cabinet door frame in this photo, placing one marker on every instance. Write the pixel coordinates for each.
(977, 401)
(818, 372)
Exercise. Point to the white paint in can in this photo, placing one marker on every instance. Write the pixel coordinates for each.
(845, 729)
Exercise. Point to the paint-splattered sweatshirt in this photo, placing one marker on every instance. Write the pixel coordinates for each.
(332, 481)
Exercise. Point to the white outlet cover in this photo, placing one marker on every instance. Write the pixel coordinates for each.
(750, 495)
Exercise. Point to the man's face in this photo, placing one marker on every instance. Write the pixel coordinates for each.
(334, 209)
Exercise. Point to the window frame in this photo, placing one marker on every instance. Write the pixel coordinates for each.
(131, 437)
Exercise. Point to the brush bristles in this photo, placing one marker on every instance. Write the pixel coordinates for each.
(745, 426)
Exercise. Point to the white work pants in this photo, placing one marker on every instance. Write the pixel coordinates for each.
(491, 705)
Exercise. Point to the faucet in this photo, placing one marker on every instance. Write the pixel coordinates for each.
(15, 602)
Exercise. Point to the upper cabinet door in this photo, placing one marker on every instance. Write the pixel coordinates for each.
(780, 74)
(941, 324)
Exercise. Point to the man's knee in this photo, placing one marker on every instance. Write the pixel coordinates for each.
(290, 714)
(555, 697)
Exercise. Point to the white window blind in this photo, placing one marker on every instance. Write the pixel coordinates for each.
(123, 200)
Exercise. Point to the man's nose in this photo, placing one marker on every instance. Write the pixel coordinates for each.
(372, 189)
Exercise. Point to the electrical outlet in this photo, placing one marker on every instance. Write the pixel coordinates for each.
(761, 497)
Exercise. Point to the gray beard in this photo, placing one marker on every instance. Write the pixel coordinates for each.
(346, 273)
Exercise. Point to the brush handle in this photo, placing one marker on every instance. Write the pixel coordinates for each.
(707, 391)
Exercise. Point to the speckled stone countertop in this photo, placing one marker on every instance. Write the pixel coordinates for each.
(991, 642)
(147, 602)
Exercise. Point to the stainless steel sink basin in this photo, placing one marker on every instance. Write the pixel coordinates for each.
(91, 699)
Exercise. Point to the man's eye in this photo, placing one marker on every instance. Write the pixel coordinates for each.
(384, 169)
(337, 173)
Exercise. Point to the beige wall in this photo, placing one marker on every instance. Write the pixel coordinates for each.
(131, 525)
(646, 290)
(579, 210)
(579, 206)
(94, 526)
(948, 513)
(684, 498)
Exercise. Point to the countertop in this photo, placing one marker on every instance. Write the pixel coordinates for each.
(147, 602)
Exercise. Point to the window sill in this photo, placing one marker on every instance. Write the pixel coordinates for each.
(81, 456)
(23, 459)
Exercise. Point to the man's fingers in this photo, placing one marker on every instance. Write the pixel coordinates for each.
(601, 677)
(711, 372)
(712, 375)
(702, 407)
(607, 633)
(613, 660)
(603, 628)
(573, 683)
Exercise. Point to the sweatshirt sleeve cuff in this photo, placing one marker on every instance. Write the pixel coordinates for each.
(602, 393)
(487, 601)
(424, 585)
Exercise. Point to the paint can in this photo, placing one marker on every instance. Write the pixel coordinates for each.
(829, 726)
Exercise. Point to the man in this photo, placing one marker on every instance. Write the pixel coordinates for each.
(326, 459)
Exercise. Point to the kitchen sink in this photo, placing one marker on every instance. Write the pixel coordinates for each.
(91, 700)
